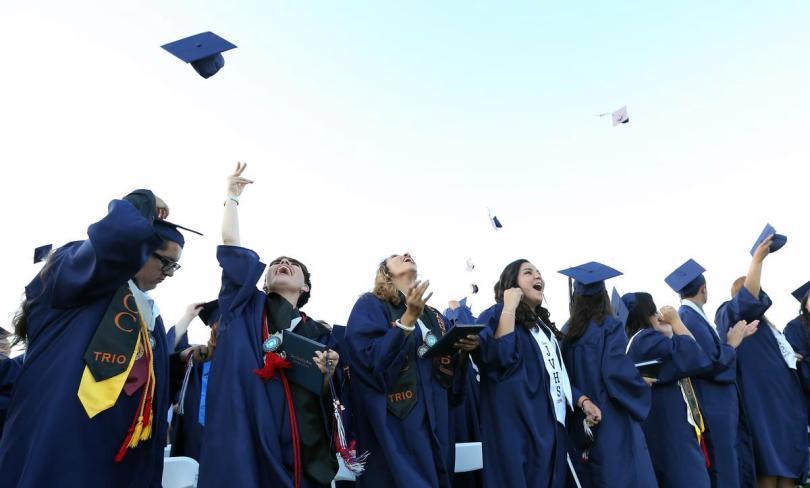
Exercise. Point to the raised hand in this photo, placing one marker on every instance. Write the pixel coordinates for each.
(763, 249)
(415, 301)
(236, 183)
(511, 299)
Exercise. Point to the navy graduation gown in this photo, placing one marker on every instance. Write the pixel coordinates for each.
(247, 441)
(598, 365)
(48, 438)
(523, 443)
(717, 392)
(674, 448)
(771, 392)
(342, 383)
(799, 339)
(9, 370)
(187, 432)
(417, 450)
(466, 419)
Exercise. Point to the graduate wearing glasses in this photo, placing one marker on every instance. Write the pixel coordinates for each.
(526, 394)
(401, 399)
(594, 350)
(260, 428)
(89, 403)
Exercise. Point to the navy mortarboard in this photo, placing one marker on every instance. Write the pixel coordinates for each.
(619, 307)
(42, 252)
(210, 313)
(203, 51)
(589, 278)
(778, 241)
(687, 279)
(801, 292)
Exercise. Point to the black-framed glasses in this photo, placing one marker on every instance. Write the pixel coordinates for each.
(169, 266)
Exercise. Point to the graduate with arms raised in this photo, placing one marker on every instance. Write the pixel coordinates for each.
(89, 404)
(594, 353)
(772, 396)
(674, 428)
(797, 332)
(526, 395)
(261, 429)
(401, 399)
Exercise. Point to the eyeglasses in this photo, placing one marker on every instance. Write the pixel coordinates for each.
(169, 266)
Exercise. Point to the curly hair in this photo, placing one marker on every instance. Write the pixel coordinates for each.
(384, 287)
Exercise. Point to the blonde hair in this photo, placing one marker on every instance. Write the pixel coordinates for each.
(384, 287)
(737, 286)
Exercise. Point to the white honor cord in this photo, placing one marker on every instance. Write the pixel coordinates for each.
(573, 471)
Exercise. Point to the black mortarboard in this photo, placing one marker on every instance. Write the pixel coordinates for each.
(210, 313)
(42, 252)
(203, 51)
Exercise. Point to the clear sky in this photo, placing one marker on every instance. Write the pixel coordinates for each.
(376, 128)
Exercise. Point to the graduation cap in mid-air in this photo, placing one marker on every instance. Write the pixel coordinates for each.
(169, 231)
(589, 278)
(778, 241)
(42, 252)
(687, 278)
(495, 222)
(474, 288)
(470, 265)
(801, 292)
(620, 116)
(203, 51)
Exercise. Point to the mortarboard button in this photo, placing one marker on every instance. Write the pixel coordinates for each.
(203, 51)
(686, 277)
(589, 278)
(778, 241)
(41, 253)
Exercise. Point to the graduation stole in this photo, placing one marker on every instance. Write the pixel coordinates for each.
(693, 415)
(402, 396)
(121, 339)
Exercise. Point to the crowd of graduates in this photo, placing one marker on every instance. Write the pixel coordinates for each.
(621, 394)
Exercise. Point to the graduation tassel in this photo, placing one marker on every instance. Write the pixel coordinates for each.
(347, 451)
(141, 427)
(186, 377)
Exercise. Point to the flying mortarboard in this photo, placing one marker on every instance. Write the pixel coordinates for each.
(41, 253)
(801, 292)
(687, 278)
(474, 288)
(778, 241)
(495, 222)
(203, 51)
(589, 278)
(470, 265)
(620, 116)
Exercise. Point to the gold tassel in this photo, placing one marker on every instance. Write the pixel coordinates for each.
(147, 431)
(136, 435)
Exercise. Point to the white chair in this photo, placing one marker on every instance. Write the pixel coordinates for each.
(180, 472)
(468, 457)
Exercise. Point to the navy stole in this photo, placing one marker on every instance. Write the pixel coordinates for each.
(402, 396)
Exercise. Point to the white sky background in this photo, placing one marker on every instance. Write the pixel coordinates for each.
(373, 129)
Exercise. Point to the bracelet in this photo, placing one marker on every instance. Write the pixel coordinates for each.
(582, 404)
(405, 327)
(508, 313)
(235, 199)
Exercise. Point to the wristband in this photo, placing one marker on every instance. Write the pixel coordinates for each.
(405, 327)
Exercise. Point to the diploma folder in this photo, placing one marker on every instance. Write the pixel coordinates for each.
(299, 351)
(650, 369)
(444, 347)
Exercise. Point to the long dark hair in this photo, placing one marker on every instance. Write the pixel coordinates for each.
(585, 308)
(20, 320)
(804, 314)
(639, 314)
(524, 315)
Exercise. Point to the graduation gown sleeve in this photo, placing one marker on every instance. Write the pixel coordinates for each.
(722, 356)
(619, 374)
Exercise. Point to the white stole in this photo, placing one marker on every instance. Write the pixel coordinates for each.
(699, 311)
(559, 384)
(788, 354)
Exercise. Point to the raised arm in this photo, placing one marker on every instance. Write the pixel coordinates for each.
(754, 276)
(230, 219)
